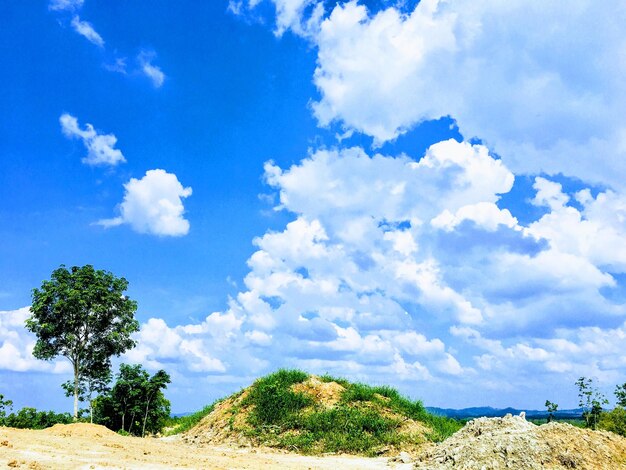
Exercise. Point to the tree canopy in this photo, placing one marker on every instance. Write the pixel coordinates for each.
(83, 315)
(135, 404)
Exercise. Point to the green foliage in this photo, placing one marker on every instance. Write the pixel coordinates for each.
(83, 315)
(357, 424)
(551, 407)
(135, 404)
(4, 405)
(30, 418)
(620, 394)
(275, 403)
(591, 401)
(177, 425)
(614, 421)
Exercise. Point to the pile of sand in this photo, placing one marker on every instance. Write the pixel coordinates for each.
(514, 443)
(80, 430)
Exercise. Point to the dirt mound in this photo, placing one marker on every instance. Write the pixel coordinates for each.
(224, 425)
(514, 443)
(79, 430)
(228, 422)
(328, 413)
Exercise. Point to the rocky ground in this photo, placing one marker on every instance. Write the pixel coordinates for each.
(514, 443)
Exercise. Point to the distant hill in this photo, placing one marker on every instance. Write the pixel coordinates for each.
(489, 412)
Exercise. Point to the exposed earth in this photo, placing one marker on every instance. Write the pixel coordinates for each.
(91, 446)
(484, 443)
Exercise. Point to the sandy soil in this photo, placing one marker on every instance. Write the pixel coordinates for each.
(94, 447)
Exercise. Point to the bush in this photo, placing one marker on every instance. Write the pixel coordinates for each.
(136, 403)
(614, 421)
(30, 418)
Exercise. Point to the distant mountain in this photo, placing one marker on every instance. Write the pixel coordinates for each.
(489, 412)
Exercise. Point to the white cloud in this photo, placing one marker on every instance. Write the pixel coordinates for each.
(386, 59)
(16, 346)
(86, 30)
(153, 205)
(160, 345)
(484, 214)
(595, 232)
(370, 281)
(504, 71)
(302, 17)
(118, 66)
(100, 147)
(153, 72)
(61, 5)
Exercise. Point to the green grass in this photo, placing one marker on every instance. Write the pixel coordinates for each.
(365, 420)
(179, 424)
(280, 417)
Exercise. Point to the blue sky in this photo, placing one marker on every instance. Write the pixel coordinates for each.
(424, 194)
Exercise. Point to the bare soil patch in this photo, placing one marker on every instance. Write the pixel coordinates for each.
(88, 446)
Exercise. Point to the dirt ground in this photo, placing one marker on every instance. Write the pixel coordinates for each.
(89, 446)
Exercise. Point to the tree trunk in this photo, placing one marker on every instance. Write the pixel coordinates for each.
(145, 418)
(75, 390)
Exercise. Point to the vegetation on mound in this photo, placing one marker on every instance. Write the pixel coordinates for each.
(180, 424)
(292, 410)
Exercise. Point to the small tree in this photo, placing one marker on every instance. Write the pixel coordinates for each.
(83, 315)
(4, 406)
(591, 401)
(135, 404)
(620, 394)
(551, 407)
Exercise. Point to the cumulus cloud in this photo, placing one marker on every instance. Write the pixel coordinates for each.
(153, 72)
(302, 17)
(100, 147)
(505, 72)
(61, 5)
(153, 205)
(86, 30)
(16, 346)
(408, 270)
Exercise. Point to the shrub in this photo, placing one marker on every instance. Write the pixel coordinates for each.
(614, 421)
(30, 418)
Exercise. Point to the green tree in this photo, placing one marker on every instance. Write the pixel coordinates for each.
(135, 404)
(83, 315)
(30, 418)
(4, 405)
(620, 394)
(591, 401)
(551, 407)
(614, 421)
